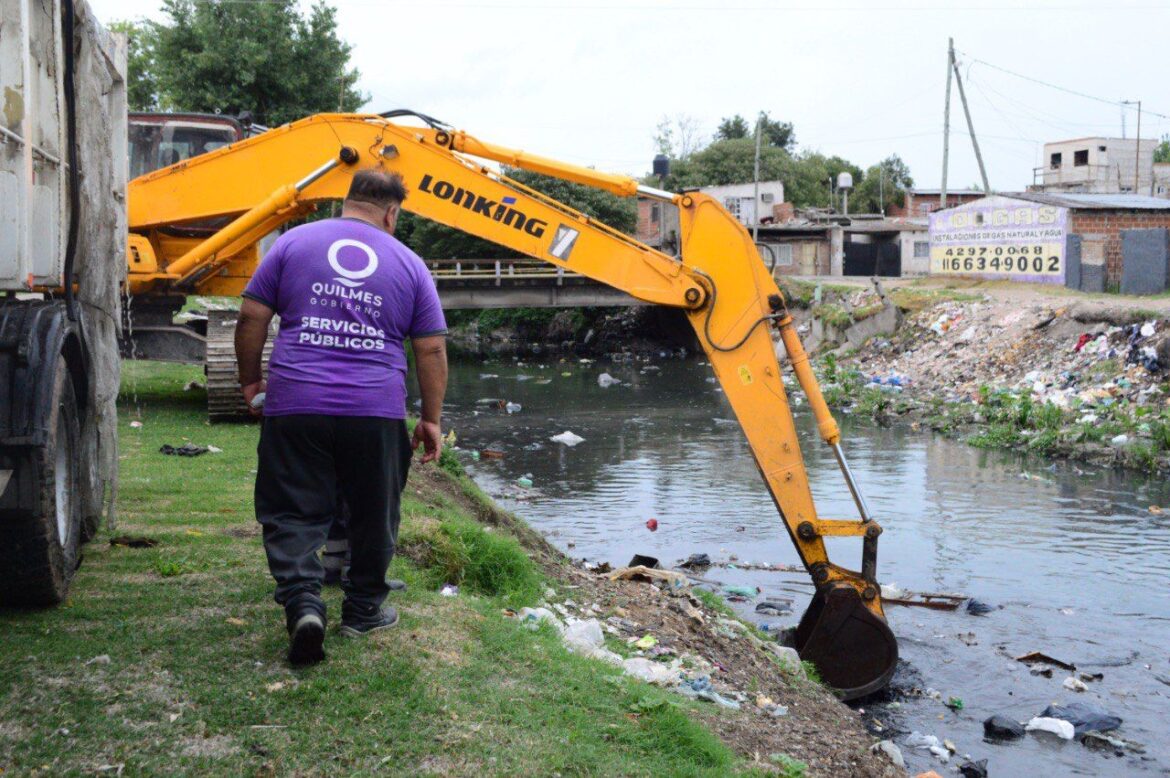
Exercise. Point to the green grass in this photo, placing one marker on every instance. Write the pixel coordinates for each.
(196, 683)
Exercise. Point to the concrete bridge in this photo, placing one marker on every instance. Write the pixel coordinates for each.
(518, 283)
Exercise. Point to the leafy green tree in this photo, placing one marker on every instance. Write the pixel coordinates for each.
(733, 128)
(141, 81)
(774, 133)
(431, 240)
(1162, 150)
(883, 187)
(263, 57)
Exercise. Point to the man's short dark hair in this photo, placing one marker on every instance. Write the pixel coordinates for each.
(377, 187)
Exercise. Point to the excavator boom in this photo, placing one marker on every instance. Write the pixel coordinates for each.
(730, 298)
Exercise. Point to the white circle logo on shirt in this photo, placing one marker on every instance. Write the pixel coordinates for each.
(351, 277)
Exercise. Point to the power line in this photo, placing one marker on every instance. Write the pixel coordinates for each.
(1113, 103)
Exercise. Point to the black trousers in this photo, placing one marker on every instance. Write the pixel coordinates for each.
(306, 463)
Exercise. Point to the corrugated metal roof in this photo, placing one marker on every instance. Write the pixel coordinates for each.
(1084, 200)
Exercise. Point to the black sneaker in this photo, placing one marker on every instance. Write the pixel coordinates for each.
(354, 625)
(306, 638)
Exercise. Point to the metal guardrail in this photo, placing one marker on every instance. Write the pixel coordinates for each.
(498, 272)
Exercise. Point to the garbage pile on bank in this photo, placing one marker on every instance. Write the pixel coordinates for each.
(662, 662)
(1060, 355)
(1100, 374)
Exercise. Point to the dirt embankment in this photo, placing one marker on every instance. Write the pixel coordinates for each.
(817, 729)
(1052, 374)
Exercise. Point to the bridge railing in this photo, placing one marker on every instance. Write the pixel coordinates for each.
(497, 272)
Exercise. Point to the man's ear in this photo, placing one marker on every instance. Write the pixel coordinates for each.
(390, 220)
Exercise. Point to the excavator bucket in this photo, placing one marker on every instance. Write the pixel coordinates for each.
(852, 647)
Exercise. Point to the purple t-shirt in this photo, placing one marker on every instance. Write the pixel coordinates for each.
(348, 295)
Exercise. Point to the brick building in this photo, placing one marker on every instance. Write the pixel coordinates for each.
(1095, 242)
(921, 202)
(1099, 219)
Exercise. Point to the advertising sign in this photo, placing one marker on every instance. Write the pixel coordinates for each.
(999, 237)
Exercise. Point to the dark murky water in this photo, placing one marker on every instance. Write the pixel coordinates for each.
(1076, 559)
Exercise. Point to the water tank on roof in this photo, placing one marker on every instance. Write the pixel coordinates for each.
(661, 166)
(844, 180)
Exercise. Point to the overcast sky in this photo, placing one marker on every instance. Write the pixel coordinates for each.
(588, 81)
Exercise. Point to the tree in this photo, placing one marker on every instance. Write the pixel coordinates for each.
(678, 137)
(883, 187)
(733, 128)
(781, 135)
(141, 82)
(1162, 150)
(266, 58)
(431, 240)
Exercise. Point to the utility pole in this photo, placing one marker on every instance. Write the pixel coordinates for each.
(881, 188)
(756, 176)
(970, 124)
(1137, 151)
(942, 194)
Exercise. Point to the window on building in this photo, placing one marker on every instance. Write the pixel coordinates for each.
(1054, 161)
(655, 212)
(921, 249)
(1100, 148)
(783, 253)
(1081, 158)
(732, 206)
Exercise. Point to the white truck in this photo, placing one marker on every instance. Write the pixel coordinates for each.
(62, 227)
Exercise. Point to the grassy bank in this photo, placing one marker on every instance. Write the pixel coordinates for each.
(170, 659)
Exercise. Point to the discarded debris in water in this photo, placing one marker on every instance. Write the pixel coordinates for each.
(941, 602)
(1034, 657)
(696, 561)
(568, 438)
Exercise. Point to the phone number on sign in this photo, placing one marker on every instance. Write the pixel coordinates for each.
(997, 259)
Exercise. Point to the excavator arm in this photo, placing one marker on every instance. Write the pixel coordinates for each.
(729, 297)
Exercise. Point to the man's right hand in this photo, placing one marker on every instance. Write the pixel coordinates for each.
(428, 434)
(250, 391)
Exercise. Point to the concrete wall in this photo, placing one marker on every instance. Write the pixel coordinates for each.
(912, 265)
(1109, 166)
(771, 193)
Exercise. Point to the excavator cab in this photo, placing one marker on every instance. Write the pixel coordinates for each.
(158, 140)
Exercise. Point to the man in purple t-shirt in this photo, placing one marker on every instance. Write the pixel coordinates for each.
(348, 294)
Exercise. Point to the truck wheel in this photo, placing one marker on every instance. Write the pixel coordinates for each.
(39, 548)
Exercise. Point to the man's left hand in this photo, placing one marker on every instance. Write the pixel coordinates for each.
(428, 434)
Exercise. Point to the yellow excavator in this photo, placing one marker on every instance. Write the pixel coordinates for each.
(195, 226)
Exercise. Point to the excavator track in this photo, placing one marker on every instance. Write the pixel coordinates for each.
(224, 400)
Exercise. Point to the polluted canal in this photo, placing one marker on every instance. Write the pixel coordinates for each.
(1071, 560)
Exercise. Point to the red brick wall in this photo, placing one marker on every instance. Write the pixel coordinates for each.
(783, 212)
(647, 228)
(1108, 225)
(912, 205)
